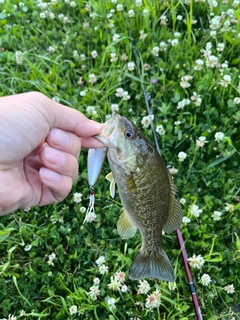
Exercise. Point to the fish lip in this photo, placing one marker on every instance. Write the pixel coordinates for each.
(104, 135)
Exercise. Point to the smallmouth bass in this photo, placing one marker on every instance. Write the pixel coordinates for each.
(147, 192)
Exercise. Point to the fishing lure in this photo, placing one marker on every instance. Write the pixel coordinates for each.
(96, 158)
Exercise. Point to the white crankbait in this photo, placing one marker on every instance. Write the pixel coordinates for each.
(96, 158)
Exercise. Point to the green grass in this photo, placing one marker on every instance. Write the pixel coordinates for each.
(34, 287)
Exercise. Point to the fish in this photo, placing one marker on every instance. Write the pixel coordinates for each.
(148, 195)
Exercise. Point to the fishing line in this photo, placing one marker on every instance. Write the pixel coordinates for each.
(147, 98)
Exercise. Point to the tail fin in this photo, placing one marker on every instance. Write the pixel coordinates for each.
(156, 265)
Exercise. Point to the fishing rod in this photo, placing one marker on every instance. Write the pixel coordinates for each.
(147, 98)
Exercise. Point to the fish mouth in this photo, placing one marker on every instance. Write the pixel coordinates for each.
(110, 129)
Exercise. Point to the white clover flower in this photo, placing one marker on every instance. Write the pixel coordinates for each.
(215, 23)
(179, 17)
(51, 49)
(82, 57)
(196, 98)
(73, 310)
(51, 15)
(119, 92)
(153, 300)
(114, 107)
(103, 269)
(131, 13)
(124, 288)
(73, 4)
(116, 37)
(155, 51)
(196, 261)
(119, 7)
(125, 96)
(82, 209)
(174, 42)
(28, 247)
(131, 66)
(138, 3)
(114, 284)
(216, 215)
(120, 276)
(142, 35)
(163, 20)
(182, 156)
(91, 110)
(92, 78)
(143, 287)
(145, 12)
(51, 258)
(185, 81)
(195, 211)
(22, 313)
(219, 136)
(163, 46)
(83, 93)
(213, 34)
(56, 99)
(205, 279)
(212, 62)
(77, 197)
(114, 57)
(94, 292)
(90, 217)
(111, 302)
(181, 104)
(146, 120)
(66, 20)
(199, 64)
(186, 220)
(201, 142)
(94, 54)
(226, 81)
(146, 66)
(182, 201)
(229, 207)
(173, 170)
(19, 57)
(86, 25)
(160, 130)
(236, 100)
(124, 57)
(114, 1)
(100, 260)
(96, 281)
(220, 47)
(229, 288)
(172, 286)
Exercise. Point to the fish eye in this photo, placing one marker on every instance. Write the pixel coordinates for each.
(128, 134)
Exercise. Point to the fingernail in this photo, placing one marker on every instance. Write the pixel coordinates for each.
(49, 175)
(60, 137)
(54, 156)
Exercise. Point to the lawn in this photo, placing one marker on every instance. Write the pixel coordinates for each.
(180, 57)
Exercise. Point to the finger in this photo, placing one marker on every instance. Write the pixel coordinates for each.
(64, 141)
(91, 142)
(56, 186)
(60, 162)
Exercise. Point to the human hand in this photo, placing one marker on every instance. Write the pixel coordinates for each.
(40, 142)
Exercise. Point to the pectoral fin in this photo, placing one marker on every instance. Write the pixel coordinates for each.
(175, 213)
(125, 226)
(110, 178)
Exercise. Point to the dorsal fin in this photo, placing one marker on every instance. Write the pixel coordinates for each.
(175, 215)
